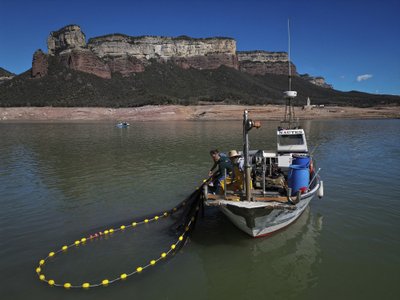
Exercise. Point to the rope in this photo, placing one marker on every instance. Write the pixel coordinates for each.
(188, 224)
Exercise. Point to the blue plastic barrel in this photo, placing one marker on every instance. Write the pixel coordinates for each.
(301, 160)
(298, 177)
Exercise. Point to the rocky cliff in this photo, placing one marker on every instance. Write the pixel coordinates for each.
(126, 55)
(119, 53)
(318, 80)
(39, 64)
(163, 48)
(67, 38)
(261, 62)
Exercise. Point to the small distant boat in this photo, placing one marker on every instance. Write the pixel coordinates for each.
(122, 125)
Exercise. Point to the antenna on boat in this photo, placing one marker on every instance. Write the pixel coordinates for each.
(289, 95)
(290, 67)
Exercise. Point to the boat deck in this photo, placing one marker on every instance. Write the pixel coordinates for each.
(237, 197)
(249, 204)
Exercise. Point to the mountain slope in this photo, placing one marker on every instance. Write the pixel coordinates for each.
(5, 73)
(166, 83)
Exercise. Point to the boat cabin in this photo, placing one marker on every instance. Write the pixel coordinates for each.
(291, 141)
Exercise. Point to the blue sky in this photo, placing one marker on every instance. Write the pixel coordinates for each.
(354, 44)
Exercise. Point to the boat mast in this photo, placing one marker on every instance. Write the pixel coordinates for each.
(247, 126)
(247, 166)
(289, 95)
(290, 67)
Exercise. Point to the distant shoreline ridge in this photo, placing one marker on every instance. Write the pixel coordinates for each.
(205, 112)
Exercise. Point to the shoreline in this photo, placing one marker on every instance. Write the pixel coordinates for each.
(189, 113)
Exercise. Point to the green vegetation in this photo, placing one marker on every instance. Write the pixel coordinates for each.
(5, 73)
(169, 84)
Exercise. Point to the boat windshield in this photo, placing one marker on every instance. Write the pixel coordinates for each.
(292, 139)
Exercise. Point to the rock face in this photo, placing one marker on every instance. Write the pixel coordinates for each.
(119, 53)
(125, 65)
(262, 62)
(84, 60)
(262, 56)
(319, 81)
(209, 53)
(209, 61)
(147, 47)
(69, 45)
(39, 64)
(67, 38)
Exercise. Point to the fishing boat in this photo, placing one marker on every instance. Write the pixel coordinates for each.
(278, 185)
(122, 125)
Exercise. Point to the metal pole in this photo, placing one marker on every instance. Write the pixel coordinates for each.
(264, 169)
(225, 186)
(270, 167)
(247, 165)
(315, 176)
(205, 191)
(290, 69)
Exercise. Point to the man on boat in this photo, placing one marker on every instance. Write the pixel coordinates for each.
(225, 168)
(238, 170)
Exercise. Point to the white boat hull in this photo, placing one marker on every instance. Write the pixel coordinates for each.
(259, 219)
(265, 225)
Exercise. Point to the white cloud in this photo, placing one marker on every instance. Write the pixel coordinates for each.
(364, 77)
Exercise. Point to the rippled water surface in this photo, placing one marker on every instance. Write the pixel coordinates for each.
(59, 182)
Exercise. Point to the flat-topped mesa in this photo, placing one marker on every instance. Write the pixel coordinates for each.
(119, 53)
(148, 47)
(199, 53)
(260, 62)
(67, 38)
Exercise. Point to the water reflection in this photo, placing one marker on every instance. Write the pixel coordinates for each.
(283, 264)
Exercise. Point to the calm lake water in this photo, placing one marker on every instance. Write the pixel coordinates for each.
(59, 182)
